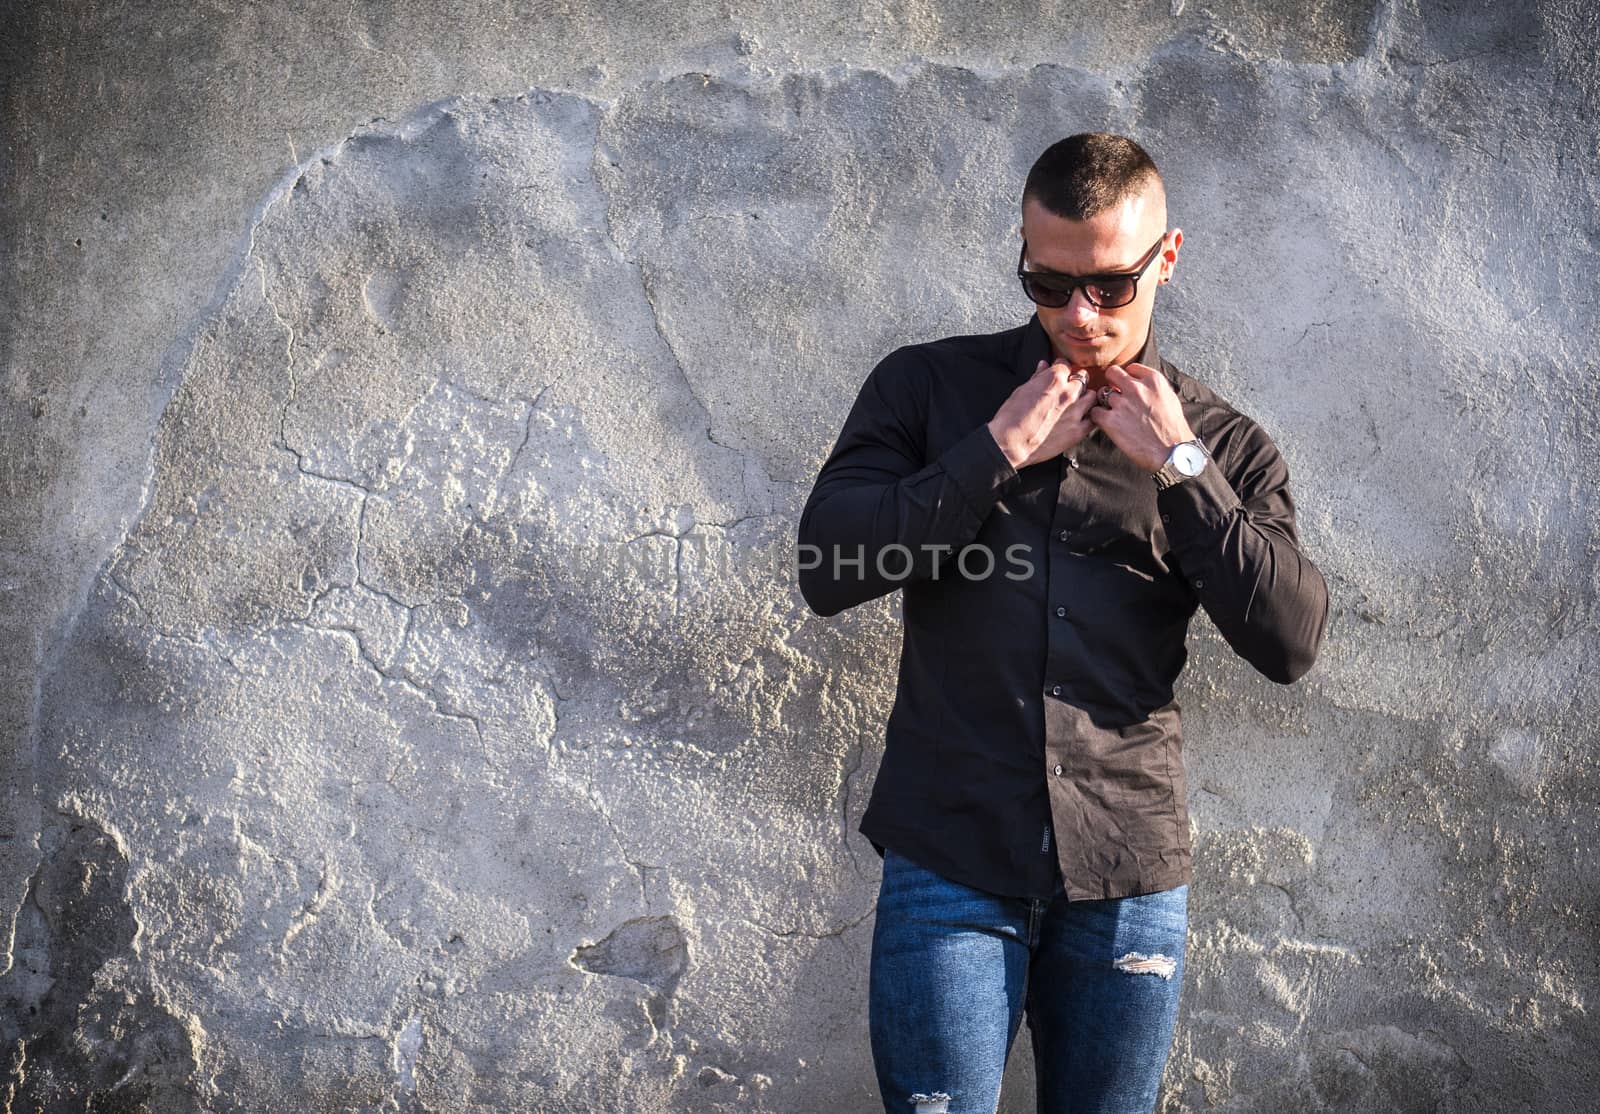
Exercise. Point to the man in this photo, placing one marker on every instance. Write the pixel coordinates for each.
(1054, 502)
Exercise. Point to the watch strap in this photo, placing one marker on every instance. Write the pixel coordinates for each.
(1167, 476)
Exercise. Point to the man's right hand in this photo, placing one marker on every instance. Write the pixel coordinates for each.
(1044, 417)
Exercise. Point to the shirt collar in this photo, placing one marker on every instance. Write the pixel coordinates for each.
(1036, 346)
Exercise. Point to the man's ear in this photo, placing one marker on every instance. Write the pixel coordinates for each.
(1169, 255)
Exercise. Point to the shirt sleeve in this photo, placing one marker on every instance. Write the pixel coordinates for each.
(1232, 530)
(880, 514)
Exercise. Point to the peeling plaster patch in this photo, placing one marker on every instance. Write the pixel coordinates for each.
(936, 1103)
(407, 1043)
(650, 950)
(83, 1031)
(381, 295)
(710, 1076)
(1137, 963)
(1385, 1067)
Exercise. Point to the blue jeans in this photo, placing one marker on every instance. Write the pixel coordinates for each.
(953, 969)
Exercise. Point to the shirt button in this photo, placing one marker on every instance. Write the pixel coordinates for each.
(1199, 583)
(1058, 769)
(1063, 535)
(1166, 518)
(1055, 690)
(1061, 613)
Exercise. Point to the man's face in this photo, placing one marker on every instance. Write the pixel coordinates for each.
(1113, 241)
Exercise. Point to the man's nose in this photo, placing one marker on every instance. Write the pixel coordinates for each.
(1079, 309)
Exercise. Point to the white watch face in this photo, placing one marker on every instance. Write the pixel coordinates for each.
(1189, 459)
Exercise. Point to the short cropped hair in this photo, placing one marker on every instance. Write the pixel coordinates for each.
(1083, 175)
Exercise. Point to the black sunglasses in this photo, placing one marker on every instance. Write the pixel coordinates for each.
(1054, 289)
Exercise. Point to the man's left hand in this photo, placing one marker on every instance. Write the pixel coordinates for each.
(1142, 415)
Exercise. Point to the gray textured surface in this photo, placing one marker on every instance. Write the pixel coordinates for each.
(406, 705)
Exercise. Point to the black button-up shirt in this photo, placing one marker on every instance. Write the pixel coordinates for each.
(1034, 734)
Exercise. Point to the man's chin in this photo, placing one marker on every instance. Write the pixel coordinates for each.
(1090, 353)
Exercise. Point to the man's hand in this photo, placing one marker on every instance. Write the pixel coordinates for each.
(1142, 415)
(1044, 417)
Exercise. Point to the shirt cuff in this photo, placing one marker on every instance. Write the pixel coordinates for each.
(979, 467)
(1198, 507)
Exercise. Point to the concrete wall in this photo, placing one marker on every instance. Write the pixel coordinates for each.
(407, 408)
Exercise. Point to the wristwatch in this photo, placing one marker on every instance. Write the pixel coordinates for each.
(1186, 460)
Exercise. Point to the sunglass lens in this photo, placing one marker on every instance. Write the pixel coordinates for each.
(1110, 292)
(1045, 292)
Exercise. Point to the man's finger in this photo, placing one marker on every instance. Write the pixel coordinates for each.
(1120, 377)
(1082, 404)
(1075, 414)
(1071, 384)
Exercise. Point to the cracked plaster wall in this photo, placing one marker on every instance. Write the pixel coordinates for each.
(408, 706)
